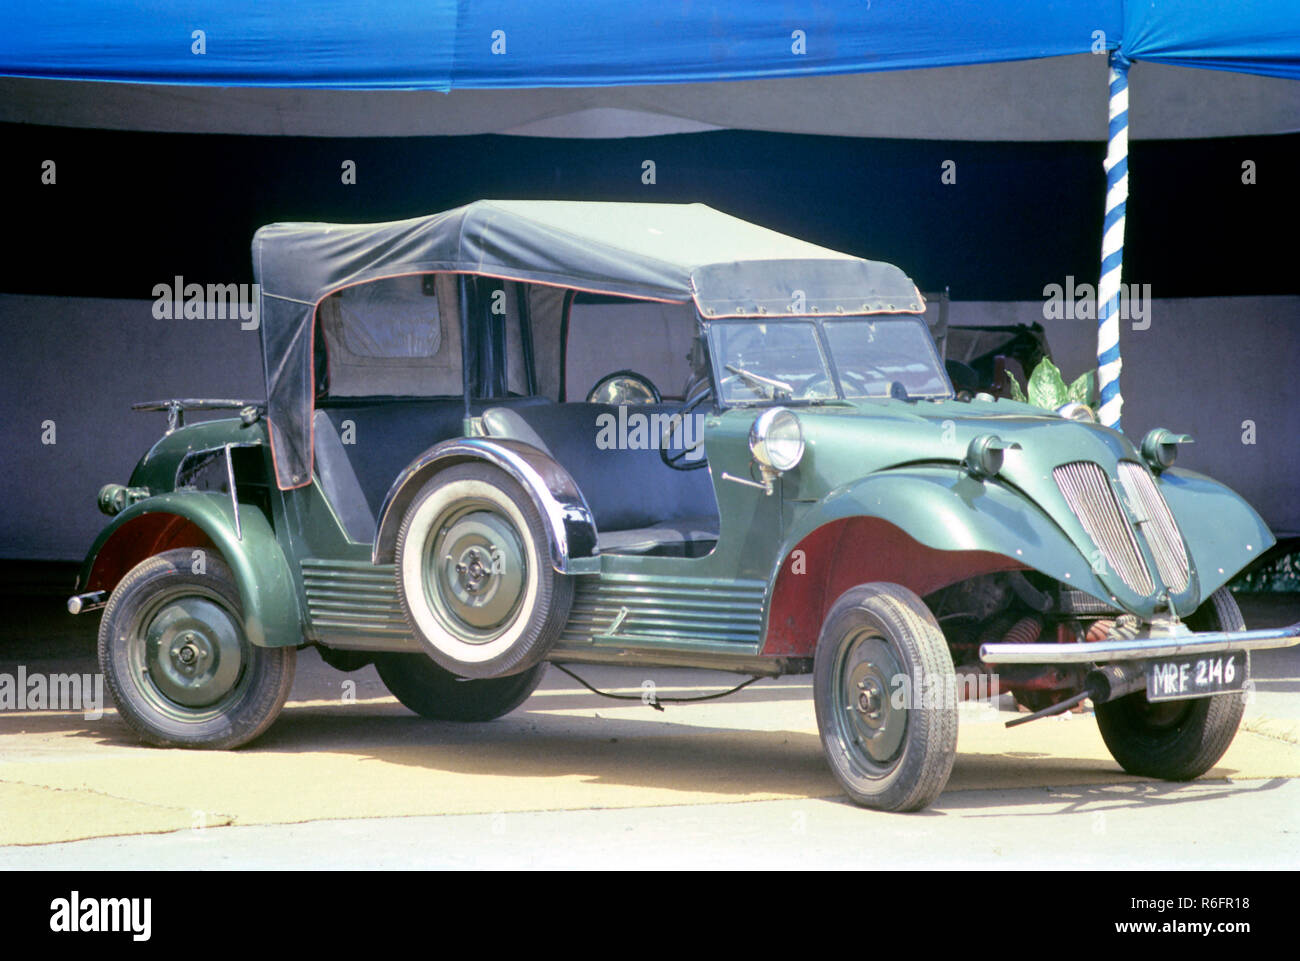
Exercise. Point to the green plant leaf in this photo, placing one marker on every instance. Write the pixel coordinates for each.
(1081, 390)
(1046, 386)
(1017, 393)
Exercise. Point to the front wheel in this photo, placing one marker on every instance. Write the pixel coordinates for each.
(1177, 740)
(885, 693)
(180, 669)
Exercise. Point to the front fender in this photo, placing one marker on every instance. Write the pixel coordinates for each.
(948, 510)
(1222, 532)
(272, 617)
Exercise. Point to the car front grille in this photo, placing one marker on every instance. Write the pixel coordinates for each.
(1160, 528)
(1087, 491)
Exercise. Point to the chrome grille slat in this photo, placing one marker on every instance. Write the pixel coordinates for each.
(1088, 492)
(1161, 529)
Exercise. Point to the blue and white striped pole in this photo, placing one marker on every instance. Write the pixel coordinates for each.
(1112, 245)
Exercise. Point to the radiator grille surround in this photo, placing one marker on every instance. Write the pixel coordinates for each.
(1160, 528)
(1091, 498)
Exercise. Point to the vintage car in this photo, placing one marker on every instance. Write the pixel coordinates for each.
(763, 469)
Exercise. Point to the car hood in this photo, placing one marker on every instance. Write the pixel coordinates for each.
(1089, 480)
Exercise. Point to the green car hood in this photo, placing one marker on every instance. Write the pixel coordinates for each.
(853, 444)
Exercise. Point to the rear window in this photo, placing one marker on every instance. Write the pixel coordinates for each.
(388, 337)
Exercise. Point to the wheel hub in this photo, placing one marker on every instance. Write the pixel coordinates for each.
(193, 652)
(873, 725)
(476, 572)
(870, 699)
(475, 569)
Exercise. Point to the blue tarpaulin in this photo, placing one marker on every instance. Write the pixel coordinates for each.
(444, 44)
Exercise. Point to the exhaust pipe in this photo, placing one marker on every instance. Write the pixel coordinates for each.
(1102, 684)
(1115, 681)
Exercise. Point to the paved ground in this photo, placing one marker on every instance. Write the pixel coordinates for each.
(574, 780)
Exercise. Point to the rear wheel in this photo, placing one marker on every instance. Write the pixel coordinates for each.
(885, 694)
(180, 669)
(1177, 740)
(474, 574)
(435, 693)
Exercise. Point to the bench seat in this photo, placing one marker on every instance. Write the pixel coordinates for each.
(639, 503)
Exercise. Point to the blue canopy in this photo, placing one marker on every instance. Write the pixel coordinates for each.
(445, 44)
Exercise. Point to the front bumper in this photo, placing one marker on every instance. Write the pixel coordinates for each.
(1163, 642)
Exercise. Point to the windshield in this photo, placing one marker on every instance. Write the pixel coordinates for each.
(872, 356)
(791, 360)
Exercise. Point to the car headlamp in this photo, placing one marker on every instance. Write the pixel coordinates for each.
(776, 439)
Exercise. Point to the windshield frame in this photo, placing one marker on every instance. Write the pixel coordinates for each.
(823, 344)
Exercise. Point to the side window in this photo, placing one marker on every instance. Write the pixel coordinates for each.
(609, 334)
(390, 337)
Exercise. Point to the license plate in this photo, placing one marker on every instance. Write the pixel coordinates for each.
(1182, 677)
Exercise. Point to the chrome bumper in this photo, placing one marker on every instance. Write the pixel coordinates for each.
(1163, 644)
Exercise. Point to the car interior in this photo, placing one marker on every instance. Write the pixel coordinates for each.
(388, 387)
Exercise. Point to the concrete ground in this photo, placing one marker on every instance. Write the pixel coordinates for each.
(349, 778)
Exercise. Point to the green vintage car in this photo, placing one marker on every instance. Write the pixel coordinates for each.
(526, 432)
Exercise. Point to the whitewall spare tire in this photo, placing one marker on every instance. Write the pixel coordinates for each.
(474, 574)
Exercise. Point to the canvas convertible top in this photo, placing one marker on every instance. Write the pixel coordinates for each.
(679, 253)
(665, 251)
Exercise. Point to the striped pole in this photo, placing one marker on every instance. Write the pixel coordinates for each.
(1112, 245)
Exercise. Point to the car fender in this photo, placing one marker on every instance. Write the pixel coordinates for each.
(571, 528)
(1222, 532)
(921, 527)
(198, 519)
(946, 509)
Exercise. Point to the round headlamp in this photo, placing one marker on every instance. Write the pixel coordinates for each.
(1076, 411)
(776, 439)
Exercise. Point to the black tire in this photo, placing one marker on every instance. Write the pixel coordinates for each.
(435, 693)
(1177, 740)
(887, 756)
(474, 574)
(178, 665)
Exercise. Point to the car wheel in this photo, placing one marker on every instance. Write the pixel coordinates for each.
(178, 664)
(1177, 740)
(474, 574)
(885, 694)
(435, 693)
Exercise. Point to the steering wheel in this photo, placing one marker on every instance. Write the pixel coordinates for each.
(816, 389)
(624, 387)
(860, 381)
(677, 459)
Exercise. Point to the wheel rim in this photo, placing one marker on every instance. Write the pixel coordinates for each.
(189, 653)
(475, 571)
(870, 726)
